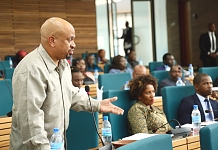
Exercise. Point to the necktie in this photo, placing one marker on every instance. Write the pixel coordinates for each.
(212, 41)
(208, 107)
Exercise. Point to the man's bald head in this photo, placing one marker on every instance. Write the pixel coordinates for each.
(138, 71)
(57, 38)
(54, 27)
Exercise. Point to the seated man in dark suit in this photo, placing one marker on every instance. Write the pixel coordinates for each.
(168, 60)
(175, 72)
(203, 87)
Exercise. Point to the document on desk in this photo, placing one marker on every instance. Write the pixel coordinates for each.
(138, 136)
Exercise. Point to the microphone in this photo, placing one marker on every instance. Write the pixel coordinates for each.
(208, 111)
(87, 89)
(181, 131)
(155, 129)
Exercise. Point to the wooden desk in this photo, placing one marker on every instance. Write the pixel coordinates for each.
(158, 102)
(188, 143)
(180, 144)
(190, 79)
(5, 129)
(193, 143)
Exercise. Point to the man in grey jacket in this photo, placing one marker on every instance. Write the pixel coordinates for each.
(43, 92)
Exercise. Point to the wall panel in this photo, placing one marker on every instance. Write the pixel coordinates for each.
(21, 21)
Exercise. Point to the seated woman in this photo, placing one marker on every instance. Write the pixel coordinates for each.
(101, 57)
(143, 116)
(118, 65)
(90, 63)
(79, 63)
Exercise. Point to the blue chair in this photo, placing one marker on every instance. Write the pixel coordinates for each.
(6, 99)
(211, 71)
(4, 64)
(160, 75)
(9, 73)
(106, 68)
(172, 96)
(119, 122)
(81, 133)
(153, 65)
(113, 81)
(208, 137)
(8, 56)
(157, 142)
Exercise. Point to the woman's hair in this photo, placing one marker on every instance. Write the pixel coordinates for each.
(116, 62)
(138, 85)
(76, 60)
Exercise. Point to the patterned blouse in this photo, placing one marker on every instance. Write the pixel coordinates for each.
(144, 119)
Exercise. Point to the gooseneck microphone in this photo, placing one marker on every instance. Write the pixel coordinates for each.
(87, 89)
(155, 129)
(208, 111)
(181, 131)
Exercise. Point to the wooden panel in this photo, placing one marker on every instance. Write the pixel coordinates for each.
(181, 147)
(193, 142)
(158, 102)
(179, 142)
(21, 21)
(5, 128)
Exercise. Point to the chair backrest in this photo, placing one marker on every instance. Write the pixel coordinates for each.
(119, 122)
(153, 65)
(211, 71)
(172, 96)
(9, 73)
(5, 129)
(106, 68)
(81, 133)
(157, 142)
(113, 81)
(208, 137)
(4, 64)
(5, 97)
(160, 75)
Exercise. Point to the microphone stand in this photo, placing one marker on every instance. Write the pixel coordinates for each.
(105, 147)
(181, 131)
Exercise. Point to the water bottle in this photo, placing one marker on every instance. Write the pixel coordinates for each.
(196, 120)
(126, 86)
(191, 71)
(179, 82)
(106, 131)
(10, 62)
(96, 76)
(140, 62)
(56, 141)
(167, 68)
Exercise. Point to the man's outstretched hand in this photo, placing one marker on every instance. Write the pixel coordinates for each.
(106, 106)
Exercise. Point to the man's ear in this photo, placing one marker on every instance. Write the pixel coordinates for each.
(51, 41)
(196, 87)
